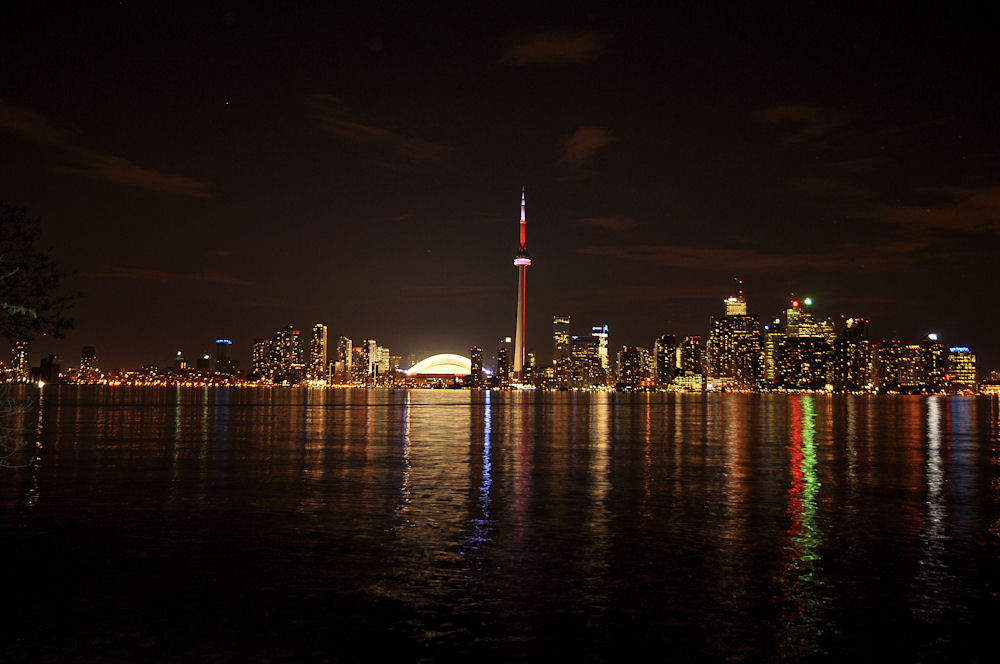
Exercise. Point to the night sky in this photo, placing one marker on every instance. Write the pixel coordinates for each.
(216, 169)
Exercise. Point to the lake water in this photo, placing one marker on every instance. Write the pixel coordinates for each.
(185, 524)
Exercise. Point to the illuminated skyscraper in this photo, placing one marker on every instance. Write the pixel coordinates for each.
(601, 333)
(318, 352)
(504, 373)
(736, 348)
(521, 262)
(560, 337)
(20, 365)
(665, 358)
(961, 369)
(889, 355)
(853, 367)
(262, 359)
(587, 371)
(342, 366)
(476, 372)
(223, 356)
(88, 365)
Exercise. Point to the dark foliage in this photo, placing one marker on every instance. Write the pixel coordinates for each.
(31, 298)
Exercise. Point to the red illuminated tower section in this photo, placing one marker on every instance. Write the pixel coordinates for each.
(521, 262)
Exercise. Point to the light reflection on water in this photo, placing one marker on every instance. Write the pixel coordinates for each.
(343, 523)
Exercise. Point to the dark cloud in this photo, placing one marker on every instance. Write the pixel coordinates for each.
(889, 257)
(806, 121)
(329, 113)
(122, 171)
(615, 223)
(556, 48)
(457, 293)
(143, 274)
(955, 208)
(829, 187)
(582, 145)
(32, 126)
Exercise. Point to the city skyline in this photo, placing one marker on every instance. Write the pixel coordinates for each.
(216, 172)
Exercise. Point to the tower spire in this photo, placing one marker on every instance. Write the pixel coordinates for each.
(521, 262)
(522, 248)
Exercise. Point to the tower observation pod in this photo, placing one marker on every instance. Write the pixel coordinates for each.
(521, 262)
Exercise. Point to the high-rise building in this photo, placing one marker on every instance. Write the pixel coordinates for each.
(586, 372)
(560, 337)
(318, 352)
(476, 372)
(853, 365)
(287, 355)
(601, 333)
(633, 368)
(804, 356)
(49, 370)
(88, 365)
(665, 358)
(521, 262)
(961, 369)
(504, 368)
(205, 362)
(889, 355)
(261, 359)
(736, 305)
(935, 359)
(223, 357)
(736, 348)
(773, 333)
(180, 364)
(342, 363)
(691, 360)
(912, 373)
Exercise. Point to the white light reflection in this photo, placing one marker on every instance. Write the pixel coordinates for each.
(933, 576)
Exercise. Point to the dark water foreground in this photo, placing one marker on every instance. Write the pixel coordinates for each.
(259, 525)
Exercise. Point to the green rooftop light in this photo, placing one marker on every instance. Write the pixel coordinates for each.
(808, 301)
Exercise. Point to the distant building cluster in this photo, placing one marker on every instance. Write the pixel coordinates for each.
(797, 351)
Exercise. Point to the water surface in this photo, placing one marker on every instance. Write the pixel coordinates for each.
(260, 524)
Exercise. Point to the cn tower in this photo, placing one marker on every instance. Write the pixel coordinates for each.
(521, 262)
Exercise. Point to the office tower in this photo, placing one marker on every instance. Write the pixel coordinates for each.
(853, 366)
(521, 262)
(665, 359)
(476, 372)
(380, 367)
(889, 355)
(205, 362)
(735, 305)
(261, 359)
(633, 368)
(287, 355)
(773, 333)
(180, 363)
(359, 365)
(88, 365)
(20, 362)
(223, 357)
(504, 369)
(560, 336)
(586, 372)
(804, 356)
(49, 370)
(318, 352)
(912, 374)
(692, 353)
(935, 359)
(343, 361)
(601, 333)
(961, 373)
(736, 348)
